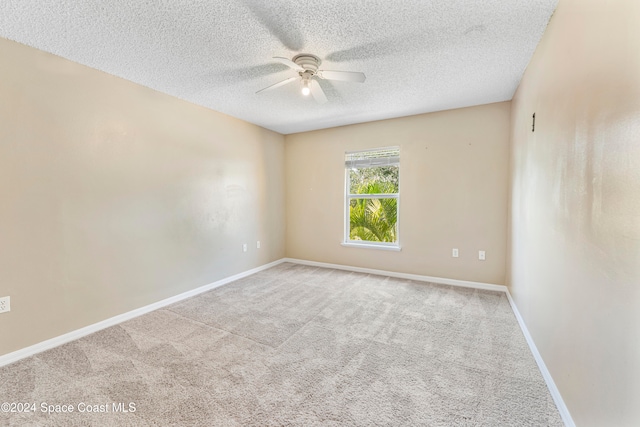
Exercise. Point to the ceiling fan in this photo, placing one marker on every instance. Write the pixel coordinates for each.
(307, 67)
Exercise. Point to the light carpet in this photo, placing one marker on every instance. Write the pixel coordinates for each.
(296, 346)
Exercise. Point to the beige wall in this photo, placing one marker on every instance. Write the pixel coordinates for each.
(575, 240)
(453, 193)
(114, 196)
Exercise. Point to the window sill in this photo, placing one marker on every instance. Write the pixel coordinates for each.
(395, 248)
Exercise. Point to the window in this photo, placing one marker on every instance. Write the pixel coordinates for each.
(372, 196)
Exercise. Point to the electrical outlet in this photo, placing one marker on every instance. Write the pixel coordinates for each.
(258, 244)
(244, 247)
(454, 253)
(5, 304)
(481, 255)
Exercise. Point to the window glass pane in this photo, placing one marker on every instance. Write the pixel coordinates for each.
(380, 180)
(373, 220)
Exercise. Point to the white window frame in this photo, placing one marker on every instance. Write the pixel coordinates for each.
(385, 161)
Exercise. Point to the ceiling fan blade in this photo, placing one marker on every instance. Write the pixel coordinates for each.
(275, 17)
(346, 76)
(288, 63)
(317, 92)
(282, 83)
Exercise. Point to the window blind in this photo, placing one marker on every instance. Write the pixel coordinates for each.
(370, 158)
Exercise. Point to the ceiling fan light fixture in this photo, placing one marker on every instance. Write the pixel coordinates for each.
(306, 90)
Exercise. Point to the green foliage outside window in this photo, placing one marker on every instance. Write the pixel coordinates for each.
(373, 219)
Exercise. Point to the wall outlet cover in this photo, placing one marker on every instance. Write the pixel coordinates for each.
(5, 304)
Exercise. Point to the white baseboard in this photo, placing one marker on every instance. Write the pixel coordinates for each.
(555, 394)
(441, 280)
(79, 333)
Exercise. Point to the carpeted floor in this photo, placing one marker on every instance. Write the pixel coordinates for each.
(296, 346)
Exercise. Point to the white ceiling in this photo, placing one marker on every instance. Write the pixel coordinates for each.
(418, 55)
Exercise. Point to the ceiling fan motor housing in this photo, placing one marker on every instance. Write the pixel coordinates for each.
(309, 62)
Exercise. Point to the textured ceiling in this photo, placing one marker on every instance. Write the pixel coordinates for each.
(418, 55)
